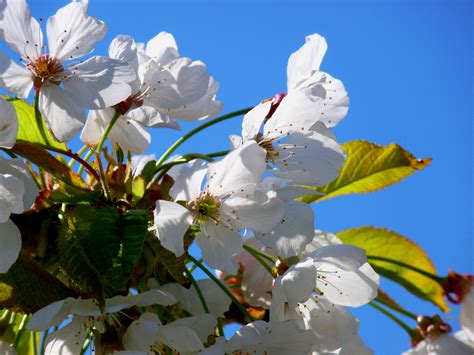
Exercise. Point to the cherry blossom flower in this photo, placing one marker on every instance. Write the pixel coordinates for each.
(8, 124)
(226, 205)
(442, 345)
(6, 349)
(87, 316)
(185, 335)
(167, 87)
(304, 72)
(259, 337)
(17, 194)
(64, 84)
(298, 145)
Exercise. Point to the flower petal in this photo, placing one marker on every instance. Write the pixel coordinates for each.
(18, 168)
(68, 340)
(253, 120)
(162, 48)
(130, 135)
(141, 333)
(72, 33)
(306, 60)
(171, 223)
(181, 338)
(8, 124)
(19, 30)
(63, 114)
(242, 166)
(10, 245)
(100, 82)
(218, 244)
(187, 180)
(295, 231)
(50, 315)
(11, 193)
(14, 78)
(203, 325)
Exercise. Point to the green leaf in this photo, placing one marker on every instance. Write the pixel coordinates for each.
(74, 255)
(368, 168)
(29, 130)
(138, 188)
(27, 287)
(64, 197)
(380, 242)
(39, 156)
(116, 241)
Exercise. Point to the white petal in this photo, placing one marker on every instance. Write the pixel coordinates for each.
(19, 30)
(97, 121)
(180, 338)
(333, 325)
(63, 114)
(100, 82)
(141, 333)
(72, 33)
(309, 159)
(187, 180)
(336, 102)
(355, 346)
(153, 297)
(10, 245)
(205, 107)
(14, 78)
(306, 60)
(218, 244)
(50, 315)
(217, 301)
(124, 48)
(140, 161)
(445, 344)
(18, 168)
(297, 112)
(466, 317)
(295, 231)
(162, 48)
(253, 120)
(235, 141)
(297, 283)
(11, 194)
(258, 215)
(68, 340)
(6, 348)
(8, 124)
(130, 135)
(321, 239)
(242, 166)
(171, 222)
(203, 325)
(151, 117)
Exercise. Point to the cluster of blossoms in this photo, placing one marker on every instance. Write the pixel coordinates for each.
(295, 284)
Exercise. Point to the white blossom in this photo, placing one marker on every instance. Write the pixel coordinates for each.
(65, 85)
(17, 194)
(8, 124)
(167, 87)
(86, 315)
(224, 206)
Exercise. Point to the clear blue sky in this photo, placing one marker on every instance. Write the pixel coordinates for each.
(407, 66)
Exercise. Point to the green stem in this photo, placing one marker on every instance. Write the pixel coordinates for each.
(35, 343)
(39, 120)
(222, 287)
(109, 127)
(21, 330)
(407, 266)
(397, 308)
(397, 320)
(79, 153)
(258, 257)
(270, 258)
(196, 130)
(201, 296)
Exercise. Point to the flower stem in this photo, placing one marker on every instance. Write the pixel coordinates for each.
(196, 130)
(79, 153)
(270, 258)
(396, 308)
(259, 258)
(222, 287)
(201, 296)
(397, 320)
(434, 277)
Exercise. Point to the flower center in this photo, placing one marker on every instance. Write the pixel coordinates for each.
(133, 101)
(46, 69)
(206, 207)
(266, 144)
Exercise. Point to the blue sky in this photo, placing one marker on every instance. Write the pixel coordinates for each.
(407, 66)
